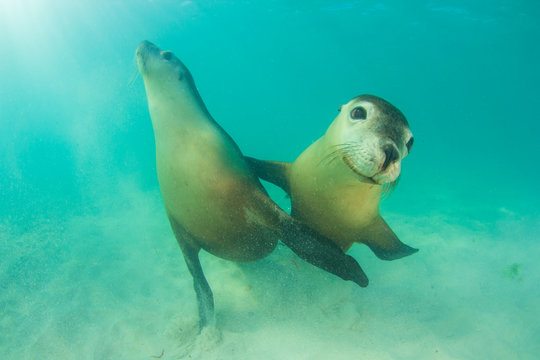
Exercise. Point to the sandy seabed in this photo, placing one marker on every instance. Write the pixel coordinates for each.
(114, 286)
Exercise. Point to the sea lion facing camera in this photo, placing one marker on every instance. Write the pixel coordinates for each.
(336, 184)
(212, 198)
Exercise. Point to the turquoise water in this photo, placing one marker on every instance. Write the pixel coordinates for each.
(89, 267)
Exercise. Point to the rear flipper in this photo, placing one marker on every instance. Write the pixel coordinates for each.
(205, 298)
(383, 242)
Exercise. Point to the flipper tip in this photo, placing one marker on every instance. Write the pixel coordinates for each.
(394, 254)
(358, 275)
(362, 282)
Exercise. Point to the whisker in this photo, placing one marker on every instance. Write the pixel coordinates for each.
(332, 156)
(329, 158)
(388, 188)
(134, 76)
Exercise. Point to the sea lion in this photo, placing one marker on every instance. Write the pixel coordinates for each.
(212, 198)
(336, 184)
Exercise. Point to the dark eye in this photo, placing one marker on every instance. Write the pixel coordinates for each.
(167, 55)
(359, 113)
(409, 144)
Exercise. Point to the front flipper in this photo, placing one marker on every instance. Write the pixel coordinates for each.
(274, 172)
(383, 242)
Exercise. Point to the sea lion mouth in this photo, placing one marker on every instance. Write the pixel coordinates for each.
(347, 160)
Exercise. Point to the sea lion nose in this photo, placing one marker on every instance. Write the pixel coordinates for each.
(146, 47)
(147, 44)
(391, 155)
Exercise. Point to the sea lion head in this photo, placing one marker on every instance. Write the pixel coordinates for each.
(371, 137)
(170, 88)
(162, 69)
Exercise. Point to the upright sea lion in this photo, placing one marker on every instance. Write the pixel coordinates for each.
(212, 198)
(336, 184)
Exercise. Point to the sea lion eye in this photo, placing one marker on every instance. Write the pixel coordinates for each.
(409, 144)
(358, 113)
(167, 55)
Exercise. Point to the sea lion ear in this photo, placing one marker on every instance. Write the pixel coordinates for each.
(383, 242)
(340, 107)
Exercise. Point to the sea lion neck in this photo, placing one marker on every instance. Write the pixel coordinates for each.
(177, 114)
